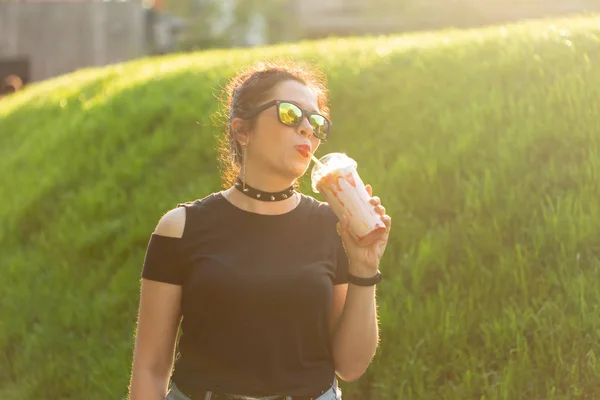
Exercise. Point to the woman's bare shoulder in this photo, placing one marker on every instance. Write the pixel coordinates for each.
(172, 223)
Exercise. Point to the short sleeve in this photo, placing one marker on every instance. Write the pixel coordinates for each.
(341, 271)
(163, 260)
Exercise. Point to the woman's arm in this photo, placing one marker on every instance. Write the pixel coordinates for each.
(356, 338)
(158, 323)
(356, 335)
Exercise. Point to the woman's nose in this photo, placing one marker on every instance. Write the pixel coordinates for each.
(305, 128)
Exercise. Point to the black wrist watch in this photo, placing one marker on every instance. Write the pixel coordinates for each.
(355, 280)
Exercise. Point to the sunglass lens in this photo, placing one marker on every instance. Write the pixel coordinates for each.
(320, 125)
(289, 114)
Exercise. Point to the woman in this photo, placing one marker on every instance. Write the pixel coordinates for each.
(267, 280)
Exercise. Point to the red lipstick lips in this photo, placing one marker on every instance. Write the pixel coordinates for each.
(304, 150)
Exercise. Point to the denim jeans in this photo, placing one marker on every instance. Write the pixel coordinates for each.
(334, 393)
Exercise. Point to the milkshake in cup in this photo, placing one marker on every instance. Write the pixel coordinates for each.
(336, 178)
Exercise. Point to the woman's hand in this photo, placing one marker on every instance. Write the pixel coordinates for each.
(364, 256)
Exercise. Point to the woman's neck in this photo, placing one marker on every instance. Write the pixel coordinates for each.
(264, 183)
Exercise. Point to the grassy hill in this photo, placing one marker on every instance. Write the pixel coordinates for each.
(483, 145)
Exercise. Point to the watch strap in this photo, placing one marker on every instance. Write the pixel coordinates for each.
(365, 281)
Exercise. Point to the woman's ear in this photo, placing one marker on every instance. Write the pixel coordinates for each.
(240, 133)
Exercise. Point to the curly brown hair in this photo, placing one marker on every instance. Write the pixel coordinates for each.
(248, 89)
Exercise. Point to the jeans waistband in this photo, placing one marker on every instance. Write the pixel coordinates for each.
(176, 394)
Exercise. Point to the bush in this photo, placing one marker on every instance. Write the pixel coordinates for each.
(482, 144)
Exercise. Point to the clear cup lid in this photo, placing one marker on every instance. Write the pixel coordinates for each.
(329, 163)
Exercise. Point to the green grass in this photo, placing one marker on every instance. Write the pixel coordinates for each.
(483, 145)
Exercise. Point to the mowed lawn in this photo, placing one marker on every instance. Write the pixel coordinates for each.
(482, 144)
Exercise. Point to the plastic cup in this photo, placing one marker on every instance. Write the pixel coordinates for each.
(335, 176)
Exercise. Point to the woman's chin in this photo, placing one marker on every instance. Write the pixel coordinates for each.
(299, 168)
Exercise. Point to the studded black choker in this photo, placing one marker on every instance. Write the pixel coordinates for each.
(263, 196)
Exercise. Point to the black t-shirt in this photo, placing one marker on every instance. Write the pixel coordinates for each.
(256, 296)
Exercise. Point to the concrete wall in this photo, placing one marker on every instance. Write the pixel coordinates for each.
(60, 37)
